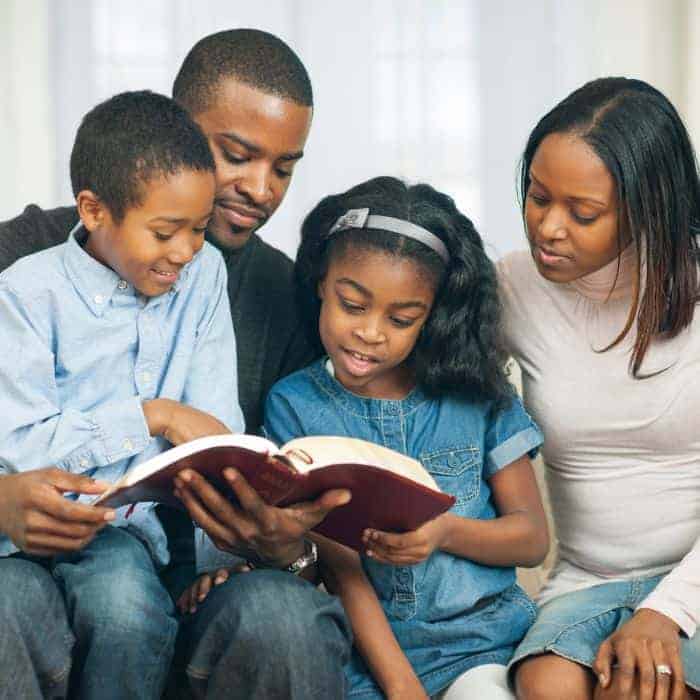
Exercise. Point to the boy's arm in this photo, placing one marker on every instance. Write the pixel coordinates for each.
(343, 575)
(35, 430)
(212, 382)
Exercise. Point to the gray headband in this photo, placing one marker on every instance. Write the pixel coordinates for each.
(361, 218)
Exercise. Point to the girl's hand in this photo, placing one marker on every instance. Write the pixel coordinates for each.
(199, 590)
(409, 547)
(179, 423)
(645, 642)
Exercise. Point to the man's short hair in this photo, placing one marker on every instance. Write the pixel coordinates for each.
(130, 139)
(253, 57)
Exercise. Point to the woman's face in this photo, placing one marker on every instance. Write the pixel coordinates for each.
(571, 210)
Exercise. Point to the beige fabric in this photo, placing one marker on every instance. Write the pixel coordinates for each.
(622, 455)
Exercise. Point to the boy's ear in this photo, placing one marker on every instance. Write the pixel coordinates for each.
(91, 210)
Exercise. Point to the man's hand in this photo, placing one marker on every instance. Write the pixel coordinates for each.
(179, 423)
(38, 519)
(250, 527)
(645, 642)
(410, 547)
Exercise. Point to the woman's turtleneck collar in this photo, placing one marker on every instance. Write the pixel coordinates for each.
(618, 275)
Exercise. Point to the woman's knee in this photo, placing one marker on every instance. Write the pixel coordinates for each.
(551, 677)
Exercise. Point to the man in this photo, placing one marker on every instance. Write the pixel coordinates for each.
(267, 633)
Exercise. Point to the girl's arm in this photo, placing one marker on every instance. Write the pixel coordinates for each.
(343, 575)
(518, 537)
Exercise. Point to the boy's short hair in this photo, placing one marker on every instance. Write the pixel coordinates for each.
(130, 139)
(255, 58)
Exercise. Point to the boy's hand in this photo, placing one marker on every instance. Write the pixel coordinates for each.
(199, 590)
(178, 423)
(250, 527)
(410, 547)
(38, 519)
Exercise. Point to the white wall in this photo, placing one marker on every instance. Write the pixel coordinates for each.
(60, 57)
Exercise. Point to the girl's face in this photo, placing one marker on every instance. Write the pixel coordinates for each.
(571, 210)
(373, 306)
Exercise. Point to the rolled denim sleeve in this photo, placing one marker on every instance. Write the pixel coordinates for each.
(35, 430)
(511, 435)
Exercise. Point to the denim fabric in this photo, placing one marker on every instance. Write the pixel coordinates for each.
(83, 349)
(435, 607)
(267, 634)
(574, 625)
(122, 618)
(35, 638)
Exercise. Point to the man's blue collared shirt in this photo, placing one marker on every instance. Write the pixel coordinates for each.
(82, 350)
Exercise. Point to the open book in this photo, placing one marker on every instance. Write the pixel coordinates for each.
(390, 491)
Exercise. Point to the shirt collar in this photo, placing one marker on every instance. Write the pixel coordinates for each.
(96, 283)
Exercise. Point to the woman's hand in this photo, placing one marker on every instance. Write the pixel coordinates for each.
(410, 547)
(646, 642)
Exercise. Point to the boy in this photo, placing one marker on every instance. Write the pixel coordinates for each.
(117, 342)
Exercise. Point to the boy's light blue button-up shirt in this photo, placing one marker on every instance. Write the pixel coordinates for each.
(82, 350)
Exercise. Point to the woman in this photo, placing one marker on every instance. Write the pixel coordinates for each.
(600, 315)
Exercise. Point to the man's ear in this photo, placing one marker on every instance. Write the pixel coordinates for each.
(91, 210)
(320, 288)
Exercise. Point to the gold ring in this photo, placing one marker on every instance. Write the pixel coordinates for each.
(663, 670)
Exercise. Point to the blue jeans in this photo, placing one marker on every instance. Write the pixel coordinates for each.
(35, 638)
(574, 625)
(267, 634)
(109, 597)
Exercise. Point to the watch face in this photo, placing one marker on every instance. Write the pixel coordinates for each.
(309, 557)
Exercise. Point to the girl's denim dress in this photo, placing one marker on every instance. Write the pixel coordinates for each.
(449, 614)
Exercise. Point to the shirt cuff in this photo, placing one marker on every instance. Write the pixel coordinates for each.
(672, 608)
(526, 442)
(120, 430)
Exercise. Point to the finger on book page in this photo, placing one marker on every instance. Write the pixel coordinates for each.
(75, 483)
(62, 508)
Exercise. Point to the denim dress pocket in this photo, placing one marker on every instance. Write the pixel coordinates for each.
(457, 471)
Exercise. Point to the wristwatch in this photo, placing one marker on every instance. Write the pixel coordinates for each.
(309, 557)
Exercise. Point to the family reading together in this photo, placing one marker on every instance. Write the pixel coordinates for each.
(152, 313)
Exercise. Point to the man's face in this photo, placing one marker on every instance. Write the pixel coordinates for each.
(256, 139)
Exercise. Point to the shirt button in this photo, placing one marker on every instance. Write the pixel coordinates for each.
(99, 299)
(146, 376)
(123, 284)
(83, 462)
(127, 444)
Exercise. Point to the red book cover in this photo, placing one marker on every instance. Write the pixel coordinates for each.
(389, 490)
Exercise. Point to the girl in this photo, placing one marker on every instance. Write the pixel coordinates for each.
(600, 314)
(403, 298)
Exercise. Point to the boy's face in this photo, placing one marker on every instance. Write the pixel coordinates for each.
(153, 242)
(256, 139)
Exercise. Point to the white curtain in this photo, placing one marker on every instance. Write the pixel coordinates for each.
(443, 91)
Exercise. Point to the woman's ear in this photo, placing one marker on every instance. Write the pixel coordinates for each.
(321, 288)
(91, 210)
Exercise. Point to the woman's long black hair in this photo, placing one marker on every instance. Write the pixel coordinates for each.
(641, 139)
(460, 350)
